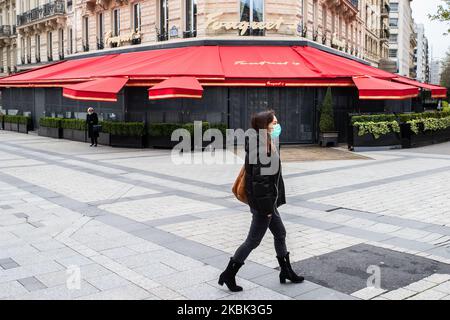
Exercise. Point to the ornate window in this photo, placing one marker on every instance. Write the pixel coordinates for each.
(191, 19)
(252, 11)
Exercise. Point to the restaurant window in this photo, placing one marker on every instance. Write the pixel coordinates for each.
(252, 11)
(85, 33)
(191, 19)
(22, 51)
(50, 46)
(315, 14)
(392, 53)
(28, 49)
(37, 48)
(137, 17)
(163, 32)
(61, 43)
(70, 40)
(100, 30)
(116, 22)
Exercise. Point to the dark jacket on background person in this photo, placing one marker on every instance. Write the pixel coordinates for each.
(91, 120)
(265, 192)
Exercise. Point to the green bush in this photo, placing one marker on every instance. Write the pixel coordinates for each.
(221, 126)
(377, 129)
(326, 113)
(17, 119)
(405, 117)
(50, 122)
(374, 118)
(429, 124)
(74, 124)
(445, 106)
(135, 129)
(162, 129)
(190, 127)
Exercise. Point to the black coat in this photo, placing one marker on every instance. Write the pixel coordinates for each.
(264, 191)
(91, 120)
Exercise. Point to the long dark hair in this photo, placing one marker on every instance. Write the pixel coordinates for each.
(261, 121)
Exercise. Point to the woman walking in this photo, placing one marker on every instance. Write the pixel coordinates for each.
(92, 120)
(265, 193)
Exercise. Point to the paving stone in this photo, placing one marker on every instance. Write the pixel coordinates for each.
(8, 263)
(259, 293)
(322, 293)
(12, 288)
(429, 295)
(368, 293)
(399, 294)
(130, 292)
(32, 284)
(107, 282)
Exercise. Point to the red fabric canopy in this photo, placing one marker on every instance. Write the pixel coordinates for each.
(378, 89)
(101, 89)
(266, 66)
(176, 87)
(436, 91)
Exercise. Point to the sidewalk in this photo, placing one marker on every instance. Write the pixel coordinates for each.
(128, 224)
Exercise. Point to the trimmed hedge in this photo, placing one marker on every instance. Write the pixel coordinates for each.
(74, 124)
(405, 117)
(132, 129)
(374, 118)
(17, 119)
(50, 122)
(166, 129)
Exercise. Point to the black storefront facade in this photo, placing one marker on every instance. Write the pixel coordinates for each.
(297, 107)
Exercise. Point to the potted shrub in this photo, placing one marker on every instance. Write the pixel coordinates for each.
(74, 129)
(2, 118)
(50, 127)
(25, 124)
(159, 135)
(104, 136)
(378, 130)
(127, 134)
(328, 135)
(421, 129)
(11, 123)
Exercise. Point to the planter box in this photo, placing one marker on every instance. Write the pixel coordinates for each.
(104, 138)
(23, 128)
(75, 135)
(161, 142)
(50, 132)
(441, 136)
(392, 139)
(11, 126)
(126, 141)
(328, 138)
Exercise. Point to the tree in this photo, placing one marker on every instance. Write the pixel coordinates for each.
(326, 123)
(443, 13)
(445, 75)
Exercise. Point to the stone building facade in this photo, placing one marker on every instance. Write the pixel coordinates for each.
(50, 30)
(8, 44)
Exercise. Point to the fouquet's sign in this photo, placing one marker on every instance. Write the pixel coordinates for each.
(213, 21)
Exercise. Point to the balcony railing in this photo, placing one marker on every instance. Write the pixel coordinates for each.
(384, 34)
(41, 12)
(7, 31)
(190, 34)
(354, 3)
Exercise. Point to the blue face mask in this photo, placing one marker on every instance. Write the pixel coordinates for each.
(276, 131)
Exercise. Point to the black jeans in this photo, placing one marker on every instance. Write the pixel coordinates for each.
(260, 224)
(93, 140)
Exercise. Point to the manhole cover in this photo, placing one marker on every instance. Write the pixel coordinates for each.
(345, 270)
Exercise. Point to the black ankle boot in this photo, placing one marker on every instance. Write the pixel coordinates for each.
(228, 276)
(286, 270)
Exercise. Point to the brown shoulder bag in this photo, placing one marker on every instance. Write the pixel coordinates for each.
(239, 186)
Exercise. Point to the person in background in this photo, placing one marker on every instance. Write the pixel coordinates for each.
(265, 193)
(91, 121)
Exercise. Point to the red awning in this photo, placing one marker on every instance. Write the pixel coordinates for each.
(101, 89)
(378, 89)
(436, 91)
(176, 87)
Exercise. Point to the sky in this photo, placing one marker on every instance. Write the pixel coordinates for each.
(433, 29)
